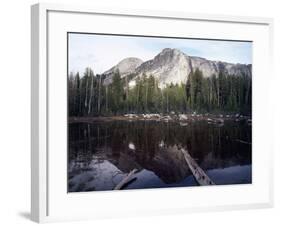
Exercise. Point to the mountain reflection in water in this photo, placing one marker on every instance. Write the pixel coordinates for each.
(101, 154)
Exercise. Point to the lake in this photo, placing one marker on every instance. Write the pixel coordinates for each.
(101, 154)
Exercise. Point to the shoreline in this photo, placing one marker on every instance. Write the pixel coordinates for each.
(210, 118)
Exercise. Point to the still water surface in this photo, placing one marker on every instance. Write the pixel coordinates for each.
(101, 154)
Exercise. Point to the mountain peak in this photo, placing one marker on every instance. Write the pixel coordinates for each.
(170, 51)
(124, 67)
(172, 65)
(169, 56)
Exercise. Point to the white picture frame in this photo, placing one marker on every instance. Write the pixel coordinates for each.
(50, 202)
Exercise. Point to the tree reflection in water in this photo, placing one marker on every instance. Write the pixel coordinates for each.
(100, 154)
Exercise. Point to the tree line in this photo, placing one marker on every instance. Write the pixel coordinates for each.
(89, 96)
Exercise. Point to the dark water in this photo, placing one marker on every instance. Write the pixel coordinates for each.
(101, 154)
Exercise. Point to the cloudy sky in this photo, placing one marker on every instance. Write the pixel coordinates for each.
(101, 52)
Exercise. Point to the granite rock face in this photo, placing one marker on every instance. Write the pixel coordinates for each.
(169, 66)
(125, 67)
(174, 66)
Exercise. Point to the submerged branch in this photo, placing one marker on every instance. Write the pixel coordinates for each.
(199, 174)
(243, 142)
(126, 180)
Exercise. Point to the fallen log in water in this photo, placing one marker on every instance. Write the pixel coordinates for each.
(126, 180)
(199, 174)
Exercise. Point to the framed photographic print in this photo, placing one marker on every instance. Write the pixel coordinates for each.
(144, 112)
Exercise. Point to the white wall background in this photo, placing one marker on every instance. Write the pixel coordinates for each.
(15, 110)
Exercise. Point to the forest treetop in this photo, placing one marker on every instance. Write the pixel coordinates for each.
(89, 96)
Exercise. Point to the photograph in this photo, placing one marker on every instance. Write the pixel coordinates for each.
(148, 112)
